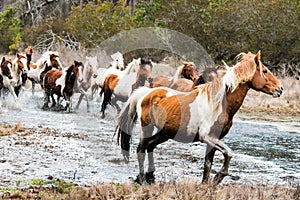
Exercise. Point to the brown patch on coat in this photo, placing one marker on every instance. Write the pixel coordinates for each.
(169, 114)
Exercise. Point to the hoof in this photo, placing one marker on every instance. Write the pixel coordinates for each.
(140, 179)
(150, 178)
(45, 107)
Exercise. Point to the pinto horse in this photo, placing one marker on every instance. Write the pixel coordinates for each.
(7, 80)
(204, 114)
(121, 85)
(19, 69)
(49, 60)
(62, 84)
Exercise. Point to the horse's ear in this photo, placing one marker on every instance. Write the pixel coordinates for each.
(76, 63)
(257, 58)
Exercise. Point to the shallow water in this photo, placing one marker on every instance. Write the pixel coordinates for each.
(80, 147)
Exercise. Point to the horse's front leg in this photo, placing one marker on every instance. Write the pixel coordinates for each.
(79, 101)
(46, 100)
(209, 157)
(12, 91)
(227, 153)
(32, 87)
(68, 102)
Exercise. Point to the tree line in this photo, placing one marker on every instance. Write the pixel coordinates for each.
(224, 28)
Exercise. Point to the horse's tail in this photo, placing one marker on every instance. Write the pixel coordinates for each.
(126, 120)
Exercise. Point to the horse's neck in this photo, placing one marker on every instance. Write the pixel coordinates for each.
(234, 100)
(177, 75)
(128, 68)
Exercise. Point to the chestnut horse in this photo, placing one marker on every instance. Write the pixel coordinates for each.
(62, 84)
(204, 114)
(49, 60)
(185, 85)
(121, 85)
(187, 70)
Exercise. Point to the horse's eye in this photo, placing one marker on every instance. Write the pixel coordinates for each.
(265, 71)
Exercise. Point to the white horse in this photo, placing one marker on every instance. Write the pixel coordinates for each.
(90, 73)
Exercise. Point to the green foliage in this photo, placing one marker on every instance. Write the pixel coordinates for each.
(145, 13)
(92, 24)
(10, 31)
(62, 186)
(252, 25)
(36, 181)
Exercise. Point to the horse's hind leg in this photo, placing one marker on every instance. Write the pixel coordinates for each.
(154, 141)
(105, 102)
(141, 152)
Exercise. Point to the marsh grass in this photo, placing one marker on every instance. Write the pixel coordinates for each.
(184, 190)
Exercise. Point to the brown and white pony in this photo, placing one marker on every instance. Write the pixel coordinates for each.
(6, 77)
(62, 84)
(49, 60)
(19, 70)
(204, 114)
(120, 85)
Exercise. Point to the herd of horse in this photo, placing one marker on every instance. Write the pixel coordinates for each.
(187, 107)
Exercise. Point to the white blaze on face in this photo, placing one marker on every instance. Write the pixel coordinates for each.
(80, 73)
(6, 81)
(24, 62)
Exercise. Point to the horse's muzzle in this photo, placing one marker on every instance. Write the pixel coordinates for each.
(278, 92)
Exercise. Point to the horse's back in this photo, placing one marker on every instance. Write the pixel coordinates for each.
(51, 76)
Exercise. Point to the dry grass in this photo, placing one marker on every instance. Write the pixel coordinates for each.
(10, 129)
(171, 190)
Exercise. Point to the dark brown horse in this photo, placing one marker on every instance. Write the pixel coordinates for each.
(62, 84)
(203, 115)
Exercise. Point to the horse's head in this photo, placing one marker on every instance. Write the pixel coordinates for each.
(78, 68)
(118, 61)
(21, 62)
(259, 76)
(6, 68)
(91, 66)
(145, 70)
(133, 65)
(54, 61)
(189, 71)
(209, 74)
